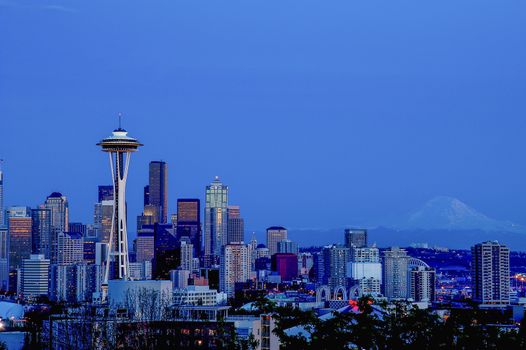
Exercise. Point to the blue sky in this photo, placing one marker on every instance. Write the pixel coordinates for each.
(315, 113)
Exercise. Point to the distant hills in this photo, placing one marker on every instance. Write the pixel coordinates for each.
(442, 221)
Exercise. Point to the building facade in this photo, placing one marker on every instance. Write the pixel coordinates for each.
(355, 238)
(234, 267)
(275, 234)
(59, 207)
(216, 220)
(335, 259)
(158, 190)
(365, 270)
(189, 222)
(395, 269)
(490, 273)
(286, 265)
(35, 276)
(41, 231)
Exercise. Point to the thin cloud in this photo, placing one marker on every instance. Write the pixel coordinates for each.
(59, 8)
(50, 7)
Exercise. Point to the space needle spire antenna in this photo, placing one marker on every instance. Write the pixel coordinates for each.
(119, 147)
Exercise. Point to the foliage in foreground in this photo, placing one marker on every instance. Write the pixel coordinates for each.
(398, 326)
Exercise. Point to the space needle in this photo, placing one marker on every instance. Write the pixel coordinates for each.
(119, 147)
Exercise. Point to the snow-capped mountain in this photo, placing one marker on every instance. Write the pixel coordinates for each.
(447, 213)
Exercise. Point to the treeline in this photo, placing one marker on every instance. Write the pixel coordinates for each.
(400, 325)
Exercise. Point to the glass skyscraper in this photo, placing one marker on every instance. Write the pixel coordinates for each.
(58, 204)
(189, 222)
(20, 229)
(105, 193)
(275, 234)
(355, 238)
(216, 219)
(41, 231)
(235, 225)
(158, 190)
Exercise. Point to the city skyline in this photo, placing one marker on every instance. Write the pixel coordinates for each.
(325, 175)
(390, 114)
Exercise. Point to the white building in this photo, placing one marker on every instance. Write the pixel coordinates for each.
(490, 273)
(70, 248)
(234, 267)
(144, 300)
(187, 256)
(195, 295)
(365, 270)
(395, 273)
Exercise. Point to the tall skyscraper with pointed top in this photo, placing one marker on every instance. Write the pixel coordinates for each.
(119, 147)
(216, 219)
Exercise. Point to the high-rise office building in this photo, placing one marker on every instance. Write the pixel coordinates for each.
(234, 267)
(103, 218)
(20, 232)
(144, 244)
(215, 220)
(158, 190)
(235, 225)
(252, 246)
(105, 193)
(89, 250)
(318, 268)
(119, 147)
(286, 265)
(167, 255)
(275, 234)
(395, 269)
(189, 222)
(35, 276)
(490, 273)
(4, 257)
(422, 283)
(77, 227)
(305, 263)
(41, 231)
(19, 241)
(187, 255)
(335, 259)
(70, 248)
(58, 204)
(355, 237)
(365, 270)
(59, 207)
(146, 194)
(288, 246)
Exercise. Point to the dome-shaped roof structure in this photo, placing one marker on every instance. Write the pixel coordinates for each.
(11, 310)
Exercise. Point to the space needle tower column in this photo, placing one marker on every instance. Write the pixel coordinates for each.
(119, 147)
